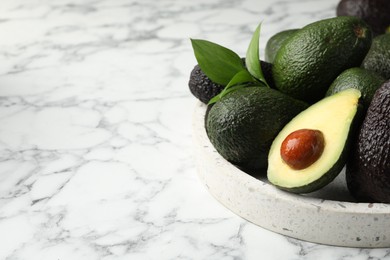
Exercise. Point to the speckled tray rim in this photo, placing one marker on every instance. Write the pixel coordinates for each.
(337, 223)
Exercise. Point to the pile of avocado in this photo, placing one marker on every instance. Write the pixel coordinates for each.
(320, 101)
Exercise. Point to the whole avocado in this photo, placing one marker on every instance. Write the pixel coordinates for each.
(243, 124)
(378, 57)
(275, 42)
(266, 68)
(314, 56)
(375, 13)
(368, 169)
(202, 87)
(367, 82)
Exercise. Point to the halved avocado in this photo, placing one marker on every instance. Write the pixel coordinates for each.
(333, 117)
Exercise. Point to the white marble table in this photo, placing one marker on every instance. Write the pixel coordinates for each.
(95, 131)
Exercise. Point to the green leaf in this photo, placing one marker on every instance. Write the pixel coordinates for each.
(252, 59)
(241, 77)
(238, 81)
(214, 99)
(217, 62)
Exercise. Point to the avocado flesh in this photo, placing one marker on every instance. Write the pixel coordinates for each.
(368, 169)
(333, 116)
(242, 125)
(309, 61)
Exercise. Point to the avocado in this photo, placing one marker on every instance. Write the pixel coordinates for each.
(368, 169)
(275, 42)
(242, 125)
(374, 12)
(266, 68)
(364, 80)
(378, 57)
(314, 56)
(311, 150)
(204, 89)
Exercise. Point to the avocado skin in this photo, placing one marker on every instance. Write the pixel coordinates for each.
(313, 57)
(204, 89)
(374, 12)
(266, 68)
(364, 80)
(325, 179)
(368, 169)
(275, 42)
(242, 125)
(378, 57)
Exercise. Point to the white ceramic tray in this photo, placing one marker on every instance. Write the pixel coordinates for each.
(327, 217)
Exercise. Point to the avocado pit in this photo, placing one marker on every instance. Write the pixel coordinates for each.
(302, 148)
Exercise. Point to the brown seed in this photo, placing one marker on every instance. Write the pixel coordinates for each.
(302, 148)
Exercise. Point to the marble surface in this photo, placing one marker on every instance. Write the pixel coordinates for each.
(95, 131)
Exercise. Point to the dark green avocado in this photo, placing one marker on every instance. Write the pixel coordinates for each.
(275, 42)
(376, 13)
(378, 57)
(243, 124)
(368, 169)
(314, 56)
(364, 80)
(266, 68)
(202, 87)
(334, 118)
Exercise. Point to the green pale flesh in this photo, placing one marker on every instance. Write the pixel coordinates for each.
(333, 116)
